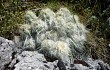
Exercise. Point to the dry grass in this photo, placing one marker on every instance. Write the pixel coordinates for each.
(97, 48)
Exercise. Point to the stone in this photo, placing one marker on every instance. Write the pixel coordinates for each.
(7, 48)
(12, 58)
(32, 60)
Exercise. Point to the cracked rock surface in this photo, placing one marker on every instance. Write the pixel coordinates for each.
(7, 48)
(26, 60)
(29, 60)
(12, 58)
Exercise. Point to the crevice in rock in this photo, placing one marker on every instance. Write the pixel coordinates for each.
(29, 49)
(50, 59)
(10, 65)
(6, 66)
(12, 68)
(103, 67)
(81, 62)
(61, 65)
(46, 66)
(13, 55)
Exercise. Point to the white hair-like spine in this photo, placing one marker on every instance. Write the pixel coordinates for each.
(59, 34)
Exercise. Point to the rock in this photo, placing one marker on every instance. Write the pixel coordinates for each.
(80, 67)
(97, 64)
(81, 62)
(7, 48)
(61, 65)
(32, 60)
(12, 58)
(89, 64)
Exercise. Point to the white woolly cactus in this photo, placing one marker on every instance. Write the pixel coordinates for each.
(47, 15)
(30, 17)
(59, 34)
(58, 49)
(65, 14)
(29, 43)
(25, 29)
(63, 51)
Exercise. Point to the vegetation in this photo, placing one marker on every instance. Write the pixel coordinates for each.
(93, 14)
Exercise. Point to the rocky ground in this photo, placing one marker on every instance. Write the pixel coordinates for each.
(13, 58)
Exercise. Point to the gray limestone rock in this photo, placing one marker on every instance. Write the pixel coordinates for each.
(12, 58)
(32, 60)
(6, 52)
